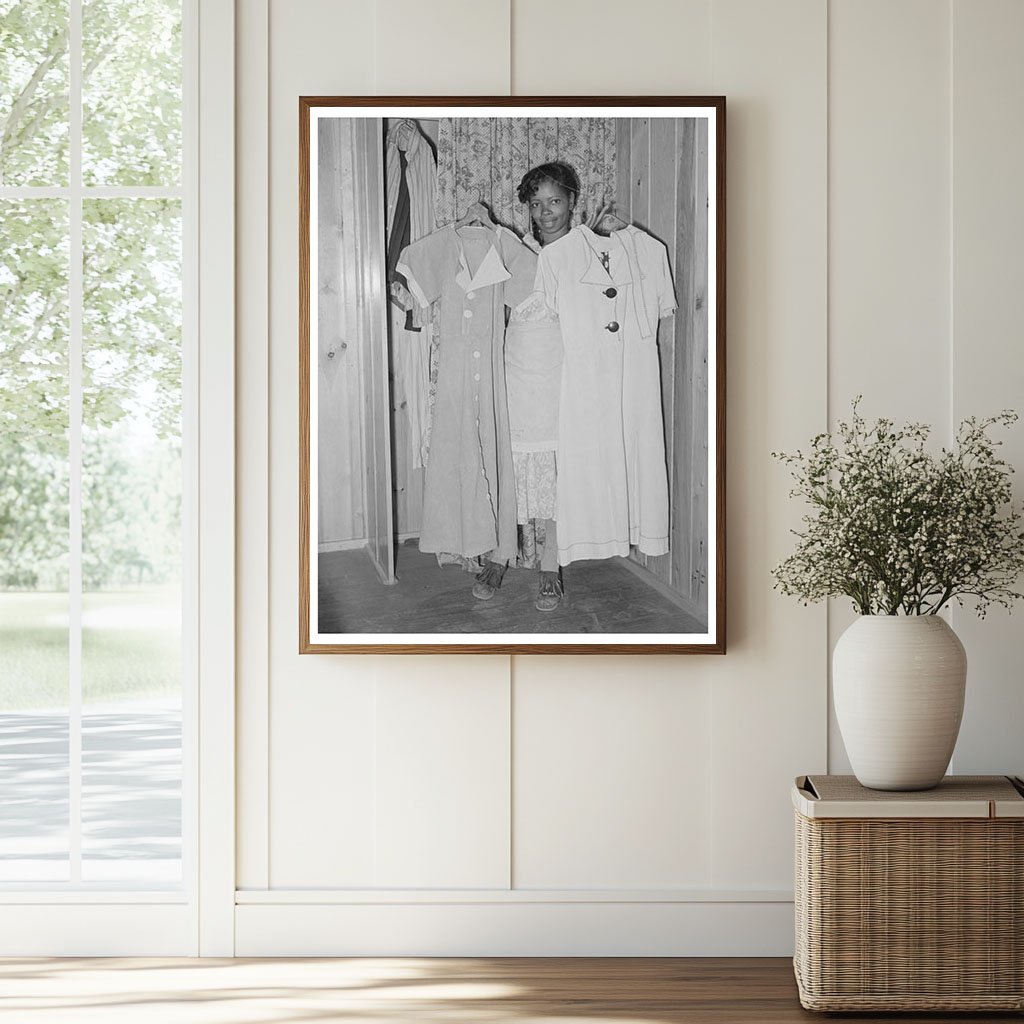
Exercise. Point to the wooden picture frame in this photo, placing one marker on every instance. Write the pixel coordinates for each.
(377, 398)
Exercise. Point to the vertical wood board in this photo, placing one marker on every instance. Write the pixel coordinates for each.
(681, 510)
(339, 492)
(372, 305)
(623, 170)
(698, 419)
(640, 171)
(352, 447)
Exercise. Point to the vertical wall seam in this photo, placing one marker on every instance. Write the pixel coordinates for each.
(828, 338)
(510, 705)
(950, 151)
(950, 242)
(376, 37)
(511, 72)
(375, 768)
(265, 736)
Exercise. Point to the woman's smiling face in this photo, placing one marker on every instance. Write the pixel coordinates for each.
(550, 208)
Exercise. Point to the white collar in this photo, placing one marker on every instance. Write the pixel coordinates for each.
(492, 269)
(595, 272)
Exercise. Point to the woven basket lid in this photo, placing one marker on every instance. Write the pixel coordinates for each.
(957, 796)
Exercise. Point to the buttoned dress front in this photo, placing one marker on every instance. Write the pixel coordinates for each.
(612, 475)
(469, 501)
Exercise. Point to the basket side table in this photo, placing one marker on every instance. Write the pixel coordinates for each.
(909, 901)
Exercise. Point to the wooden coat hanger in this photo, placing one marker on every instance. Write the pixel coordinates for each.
(607, 213)
(477, 213)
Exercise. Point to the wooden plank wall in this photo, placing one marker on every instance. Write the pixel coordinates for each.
(368, 159)
(342, 484)
(661, 186)
(340, 494)
(692, 473)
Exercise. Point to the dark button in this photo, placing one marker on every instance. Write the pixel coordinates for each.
(613, 326)
(611, 292)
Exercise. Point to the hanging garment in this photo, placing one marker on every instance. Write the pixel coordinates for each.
(399, 223)
(469, 505)
(411, 184)
(406, 139)
(533, 374)
(609, 293)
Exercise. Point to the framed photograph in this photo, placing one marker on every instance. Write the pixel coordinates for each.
(512, 374)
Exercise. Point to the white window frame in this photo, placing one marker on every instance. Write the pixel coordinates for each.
(75, 918)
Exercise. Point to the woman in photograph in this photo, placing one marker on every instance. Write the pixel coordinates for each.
(533, 373)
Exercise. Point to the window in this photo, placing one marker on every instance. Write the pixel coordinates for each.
(95, 455)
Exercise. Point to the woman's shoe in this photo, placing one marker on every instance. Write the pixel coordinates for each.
(549, 594)
(488, 580)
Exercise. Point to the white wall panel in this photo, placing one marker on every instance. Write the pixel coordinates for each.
(442, 772)
(889, 209)
(322, 776)
(322, 811)
(320, 709)
(442, 48)
(442, 800)
(769, 692)
(612, 781)
(988, 328)
(579, 48)
(889, 247)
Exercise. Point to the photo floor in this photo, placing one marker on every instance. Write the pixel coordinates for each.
(608, 596)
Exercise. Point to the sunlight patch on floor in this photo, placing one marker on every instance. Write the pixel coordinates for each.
(219, 991)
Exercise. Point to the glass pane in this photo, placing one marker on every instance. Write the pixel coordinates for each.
(33, 540)
(131, 541)
(131, 92)
(33, 92)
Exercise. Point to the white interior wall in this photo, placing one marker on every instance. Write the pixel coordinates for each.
(553, 804)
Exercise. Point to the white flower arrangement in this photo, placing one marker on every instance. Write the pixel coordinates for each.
(899, 530)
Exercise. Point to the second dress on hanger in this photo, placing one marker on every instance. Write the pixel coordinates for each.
(469, 499)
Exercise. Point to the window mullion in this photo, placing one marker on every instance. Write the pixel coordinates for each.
(75, 303)
(94, 191)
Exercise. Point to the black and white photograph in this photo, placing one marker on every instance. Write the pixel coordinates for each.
(512, 375)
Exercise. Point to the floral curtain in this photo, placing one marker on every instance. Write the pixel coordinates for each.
(485, 158)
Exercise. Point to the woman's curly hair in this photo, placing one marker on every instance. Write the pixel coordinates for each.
(558, 172)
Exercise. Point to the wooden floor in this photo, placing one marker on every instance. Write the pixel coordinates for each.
(605, 596)
(414, 991)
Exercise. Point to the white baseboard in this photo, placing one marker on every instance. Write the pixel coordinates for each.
(520, 928)
(99, 928)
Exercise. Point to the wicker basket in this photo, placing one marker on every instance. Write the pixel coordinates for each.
(910, 901)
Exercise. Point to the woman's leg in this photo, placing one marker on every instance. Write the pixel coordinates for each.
(549, 556)
(549, 593)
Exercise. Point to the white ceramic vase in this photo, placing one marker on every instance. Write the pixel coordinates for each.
(898, 684)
